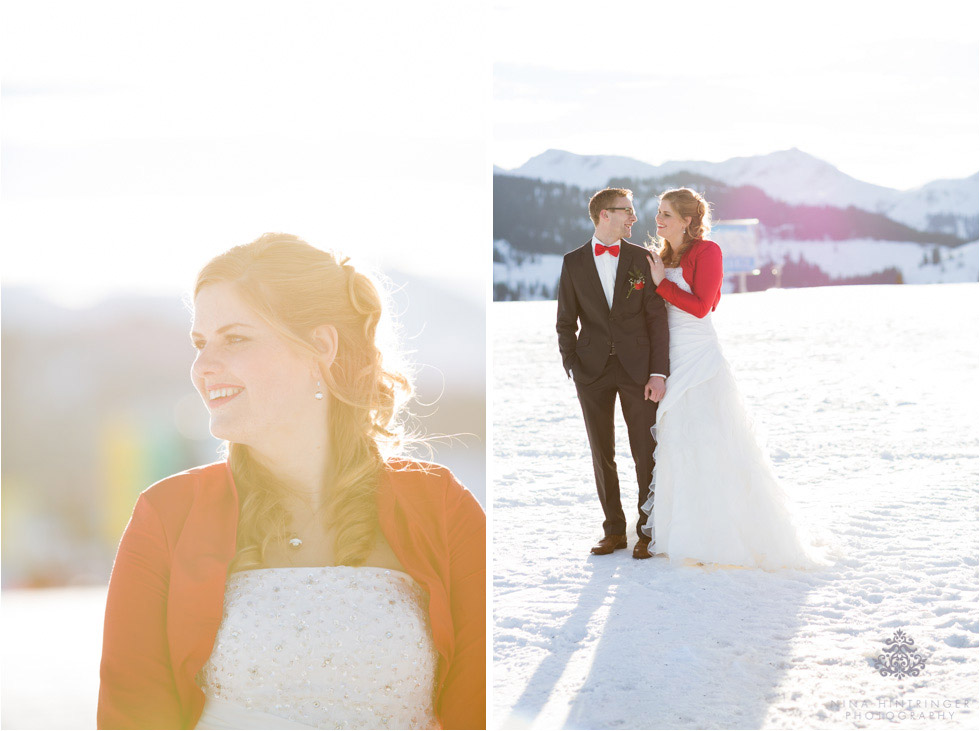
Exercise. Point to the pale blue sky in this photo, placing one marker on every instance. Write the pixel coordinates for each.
(887, 92)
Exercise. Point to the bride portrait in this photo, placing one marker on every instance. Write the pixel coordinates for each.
(315, 578)
(714, 497)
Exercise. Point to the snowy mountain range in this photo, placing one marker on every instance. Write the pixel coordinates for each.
(791, 176)
(535, 222)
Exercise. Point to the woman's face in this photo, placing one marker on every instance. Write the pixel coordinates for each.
(669, 225)
(256, 385)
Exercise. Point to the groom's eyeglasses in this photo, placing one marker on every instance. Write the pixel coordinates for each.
(629, 211)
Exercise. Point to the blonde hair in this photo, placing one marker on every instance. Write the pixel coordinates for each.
(605, 198)
(296, 288)
(686, 203)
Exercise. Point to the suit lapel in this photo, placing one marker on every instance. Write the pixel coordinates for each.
(621, 269)
(591, 273)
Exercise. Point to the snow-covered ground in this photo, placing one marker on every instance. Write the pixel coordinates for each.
(855, 257)
(870, 397)
(52, 644)
(532, 276)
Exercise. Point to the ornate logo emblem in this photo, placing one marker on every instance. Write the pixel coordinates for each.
(901, 657)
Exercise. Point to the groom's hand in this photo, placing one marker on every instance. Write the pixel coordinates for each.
(655, 389)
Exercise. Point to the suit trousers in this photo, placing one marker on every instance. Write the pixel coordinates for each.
(598, 400)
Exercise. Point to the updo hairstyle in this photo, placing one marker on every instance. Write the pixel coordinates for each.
(685, 203)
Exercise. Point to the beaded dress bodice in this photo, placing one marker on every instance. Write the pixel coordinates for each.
(676, 275)
(328, 647)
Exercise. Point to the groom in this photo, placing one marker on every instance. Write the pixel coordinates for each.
(621, 349)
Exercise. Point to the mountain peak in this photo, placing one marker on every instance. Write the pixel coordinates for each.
(583, 171)
(794, 156)
(792, 175)
(793, 152)
(553, 155)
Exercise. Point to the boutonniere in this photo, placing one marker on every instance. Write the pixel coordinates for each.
(637, 280)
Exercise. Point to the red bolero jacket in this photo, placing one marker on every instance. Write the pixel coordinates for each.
(702, 269)
(166, 594)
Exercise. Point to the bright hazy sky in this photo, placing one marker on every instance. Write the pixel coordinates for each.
(140, 139)
(887, 92)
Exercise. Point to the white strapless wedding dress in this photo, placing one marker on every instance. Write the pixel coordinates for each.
(714, 498)
(329, 647)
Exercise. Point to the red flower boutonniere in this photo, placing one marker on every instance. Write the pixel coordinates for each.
(637, 280)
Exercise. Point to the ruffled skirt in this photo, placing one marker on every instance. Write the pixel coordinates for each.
(715, 498)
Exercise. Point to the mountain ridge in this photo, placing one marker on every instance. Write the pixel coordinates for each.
(549, 218)
(946, 206)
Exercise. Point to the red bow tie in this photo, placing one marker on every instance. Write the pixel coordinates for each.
(602, 249)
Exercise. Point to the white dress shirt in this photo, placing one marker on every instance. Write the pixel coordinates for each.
(606, 264)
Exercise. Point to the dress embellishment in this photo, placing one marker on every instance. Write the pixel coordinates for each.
(326, 647)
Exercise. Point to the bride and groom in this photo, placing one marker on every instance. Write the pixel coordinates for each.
(638, 324)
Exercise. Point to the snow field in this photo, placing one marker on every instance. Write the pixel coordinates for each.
(869, 397)
(52, 646)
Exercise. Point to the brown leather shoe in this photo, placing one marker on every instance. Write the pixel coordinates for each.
(642, 550)
(608, 545)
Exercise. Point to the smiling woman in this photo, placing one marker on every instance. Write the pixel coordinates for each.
(313, 578)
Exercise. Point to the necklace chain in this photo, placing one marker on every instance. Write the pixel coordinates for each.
(294, 541)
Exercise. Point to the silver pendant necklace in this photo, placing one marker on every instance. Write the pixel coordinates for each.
(294, 541)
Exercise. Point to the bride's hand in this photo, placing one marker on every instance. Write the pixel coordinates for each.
(656, 268)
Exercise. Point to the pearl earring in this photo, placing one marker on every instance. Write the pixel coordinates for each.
(319, 394)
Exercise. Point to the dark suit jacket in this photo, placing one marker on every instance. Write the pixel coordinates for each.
(636, 324)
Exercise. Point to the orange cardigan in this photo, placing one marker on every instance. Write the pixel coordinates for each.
(166, 594)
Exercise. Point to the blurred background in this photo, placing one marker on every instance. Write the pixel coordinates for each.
(140, 140)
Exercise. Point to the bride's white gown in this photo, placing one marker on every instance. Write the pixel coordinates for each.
(715, 498)
(327, 647)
